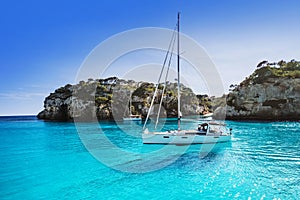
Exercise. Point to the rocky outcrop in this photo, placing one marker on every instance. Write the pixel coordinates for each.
(57, 105)
(108, 99)
(270, 93)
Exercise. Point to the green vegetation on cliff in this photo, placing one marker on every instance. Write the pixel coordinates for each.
(109, 99)
(272, 92)
(280, 69)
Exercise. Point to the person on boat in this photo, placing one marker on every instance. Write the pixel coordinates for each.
(199, 127)
(202, 127)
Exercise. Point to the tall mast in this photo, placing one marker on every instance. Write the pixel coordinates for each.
(178, 71)
(130, 113)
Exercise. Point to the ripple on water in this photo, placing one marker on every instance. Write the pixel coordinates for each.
(43, 160)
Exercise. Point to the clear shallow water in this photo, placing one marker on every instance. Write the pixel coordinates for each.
(46, 160)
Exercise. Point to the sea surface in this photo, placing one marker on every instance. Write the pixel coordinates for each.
(49, 160)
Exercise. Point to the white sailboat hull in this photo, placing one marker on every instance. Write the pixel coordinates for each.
(131, 119)
(183, 138)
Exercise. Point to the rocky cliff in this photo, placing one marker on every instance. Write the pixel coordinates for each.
(112, 98)
(272, 92)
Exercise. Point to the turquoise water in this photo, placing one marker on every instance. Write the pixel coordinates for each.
(47, 160)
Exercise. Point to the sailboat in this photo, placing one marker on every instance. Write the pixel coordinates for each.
(132, 117)
(209, 132)
(206, 117)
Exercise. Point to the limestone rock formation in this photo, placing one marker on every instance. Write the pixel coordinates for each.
(270, 93)
(108, 99)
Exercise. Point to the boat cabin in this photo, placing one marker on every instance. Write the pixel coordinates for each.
(211, 128)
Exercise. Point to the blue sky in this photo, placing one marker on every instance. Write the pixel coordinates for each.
(43, 43)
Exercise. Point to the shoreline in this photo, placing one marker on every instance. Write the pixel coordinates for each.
(167, 118)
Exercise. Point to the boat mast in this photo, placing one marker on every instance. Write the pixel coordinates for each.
(130, 113)
(178, 75)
